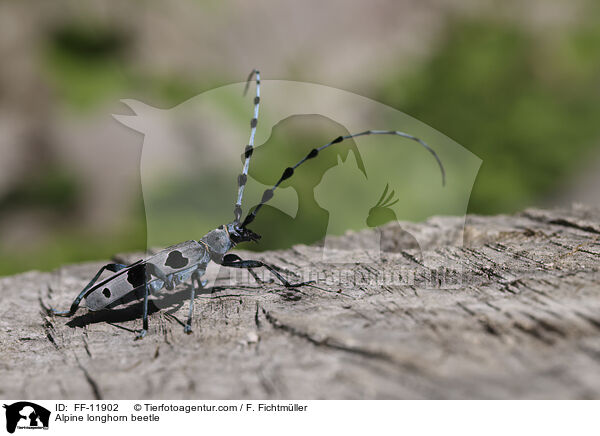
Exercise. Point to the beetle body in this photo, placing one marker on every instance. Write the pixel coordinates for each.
(177, 264)
(165, 269)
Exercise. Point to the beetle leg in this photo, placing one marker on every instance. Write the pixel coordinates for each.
(167, 279)
(198, 283)
(113, 267)
(234, 261)
(144, 330)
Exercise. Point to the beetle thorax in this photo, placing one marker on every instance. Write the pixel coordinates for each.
(218, 242)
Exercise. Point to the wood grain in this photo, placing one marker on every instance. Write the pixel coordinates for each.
(523, 322)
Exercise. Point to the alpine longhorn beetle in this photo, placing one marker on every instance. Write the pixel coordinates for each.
(178, 263)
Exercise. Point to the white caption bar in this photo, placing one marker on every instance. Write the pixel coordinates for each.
(301, 417)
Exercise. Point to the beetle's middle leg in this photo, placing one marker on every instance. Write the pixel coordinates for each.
(113, 267)
(234, 261)
(172, 280)
(197, 283)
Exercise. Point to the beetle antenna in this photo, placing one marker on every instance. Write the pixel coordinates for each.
(289, 171)
(243, 177)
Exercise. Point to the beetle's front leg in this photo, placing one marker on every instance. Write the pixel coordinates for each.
(234, 261)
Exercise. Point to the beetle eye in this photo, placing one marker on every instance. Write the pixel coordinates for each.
(221, 227)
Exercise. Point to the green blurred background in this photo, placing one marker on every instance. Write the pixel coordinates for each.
(516, 83)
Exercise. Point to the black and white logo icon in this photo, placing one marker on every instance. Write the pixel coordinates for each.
(26, 415)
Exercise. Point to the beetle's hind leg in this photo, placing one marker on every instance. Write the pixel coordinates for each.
(113, 267)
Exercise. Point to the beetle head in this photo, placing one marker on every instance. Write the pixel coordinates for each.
(239, 234)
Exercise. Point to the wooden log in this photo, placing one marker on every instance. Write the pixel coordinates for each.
(522, 322)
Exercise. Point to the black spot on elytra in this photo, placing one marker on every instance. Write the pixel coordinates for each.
(136, 276)
(106, 292)
(176, 260)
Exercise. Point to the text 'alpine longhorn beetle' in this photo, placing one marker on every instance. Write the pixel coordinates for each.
(189, 260)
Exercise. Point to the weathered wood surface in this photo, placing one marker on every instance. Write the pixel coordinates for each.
(524, 324)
